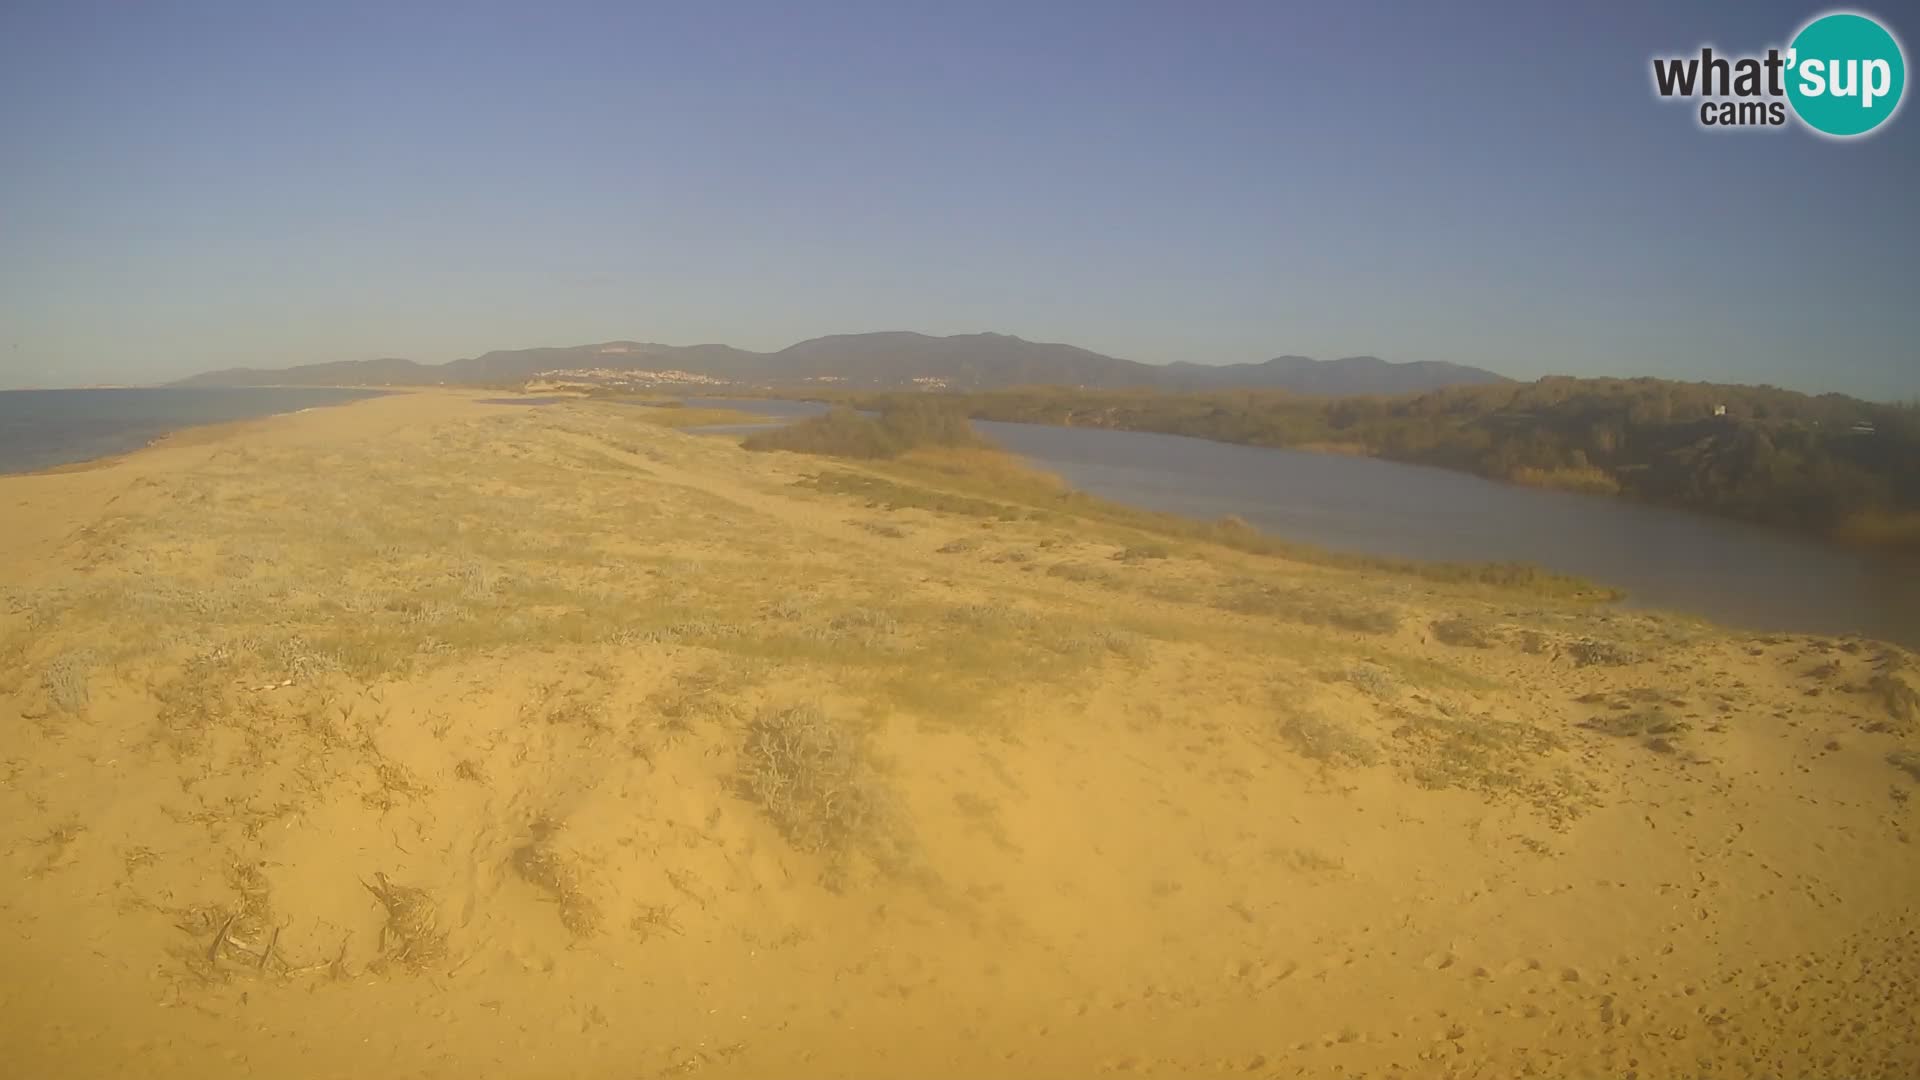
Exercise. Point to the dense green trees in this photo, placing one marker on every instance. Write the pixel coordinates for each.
(1828, 464)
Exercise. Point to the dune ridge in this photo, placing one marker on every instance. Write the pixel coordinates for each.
(428, 737)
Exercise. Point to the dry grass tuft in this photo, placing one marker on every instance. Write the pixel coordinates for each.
(815, 781)
(1323, 740)
(654, 919)
(1122, 643)
(542, 864)
(1627, 725)
(1450, 747)
(412, 937)
(1307, 860)
(1372, 680)
(1072, 571)
(242, 931)
(1458, 630)
(868, 628)
(1313, 609)
(65, 680)
(393, 784)
(55, 843)
(1899, 696)
(882, 493)
(997, 615)
(1591, 652)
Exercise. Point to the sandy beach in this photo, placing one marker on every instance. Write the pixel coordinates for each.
(424, 737)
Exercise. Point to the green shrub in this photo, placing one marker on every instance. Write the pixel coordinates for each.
(840, 433)
(844, 433)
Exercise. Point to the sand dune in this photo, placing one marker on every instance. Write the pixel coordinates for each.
(425, 737)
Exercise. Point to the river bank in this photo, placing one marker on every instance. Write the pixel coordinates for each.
(1829, 467)
(1733, 572)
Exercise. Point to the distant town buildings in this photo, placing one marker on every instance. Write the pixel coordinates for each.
(592, 378)
(621, 378)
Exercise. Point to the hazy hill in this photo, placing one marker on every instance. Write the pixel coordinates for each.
(964, 360)
(1345, 377)
(385, 372)
(881, 361)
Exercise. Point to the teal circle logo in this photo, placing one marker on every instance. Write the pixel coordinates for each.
(1845, 74)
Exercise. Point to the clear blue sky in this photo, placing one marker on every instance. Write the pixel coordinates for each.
(188, 186)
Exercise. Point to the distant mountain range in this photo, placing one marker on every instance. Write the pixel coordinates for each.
(892, 359)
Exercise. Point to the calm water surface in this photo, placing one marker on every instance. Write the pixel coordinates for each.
(1738, 574)
(40, 429)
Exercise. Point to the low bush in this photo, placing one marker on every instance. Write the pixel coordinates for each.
(849, 434)
(1654, 721)
(1322, 740)
(1461, 631)
(65, 680)
(1313, 609)
(1072, 571)
(1901, 699)
(815, 782)
(1591, 652)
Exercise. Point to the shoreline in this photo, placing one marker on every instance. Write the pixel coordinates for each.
(183, 433)
(52, 505)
